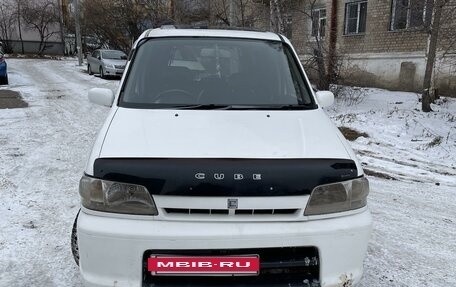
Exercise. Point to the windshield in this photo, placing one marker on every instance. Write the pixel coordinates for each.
(114, 55)
(198, 72)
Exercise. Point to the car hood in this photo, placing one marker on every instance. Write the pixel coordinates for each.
(149, 133)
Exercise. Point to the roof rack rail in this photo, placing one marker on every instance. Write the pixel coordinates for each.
(204, 26)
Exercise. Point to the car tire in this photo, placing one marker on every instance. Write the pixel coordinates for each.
(4, 80)
(102, 75)
(74, 240)
(89, 70)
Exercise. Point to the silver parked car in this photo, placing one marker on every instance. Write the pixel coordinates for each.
(106, 63)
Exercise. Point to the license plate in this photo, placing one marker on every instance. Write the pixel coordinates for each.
(201, 265)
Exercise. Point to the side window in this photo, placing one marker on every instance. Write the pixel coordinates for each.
(95, 54)
(355, 17)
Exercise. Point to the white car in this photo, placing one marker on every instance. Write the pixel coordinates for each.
(107, 63)
(217, 166)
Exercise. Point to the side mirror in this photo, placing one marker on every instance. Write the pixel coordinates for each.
(103, 97)
(325, 98)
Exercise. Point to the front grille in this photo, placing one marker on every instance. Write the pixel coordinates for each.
(286, 266)
(119, 66)
(190, 211)
(265, 211)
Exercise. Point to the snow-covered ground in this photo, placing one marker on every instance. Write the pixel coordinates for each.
(414, 237)
(43, 149)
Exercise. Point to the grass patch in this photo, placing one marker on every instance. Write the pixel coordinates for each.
(351, 134)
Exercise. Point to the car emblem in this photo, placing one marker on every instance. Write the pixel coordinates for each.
(232, 203)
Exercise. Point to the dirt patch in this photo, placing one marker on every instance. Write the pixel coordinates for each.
(11, 100)
(378, 174)
(351, 134)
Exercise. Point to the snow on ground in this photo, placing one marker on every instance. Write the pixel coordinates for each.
(43, 153)
(414, 237)
(44, 148)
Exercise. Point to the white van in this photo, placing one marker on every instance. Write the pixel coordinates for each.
(217, 166)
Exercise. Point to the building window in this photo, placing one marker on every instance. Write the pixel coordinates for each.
(319, 23)
(408, 14)
(355, 17)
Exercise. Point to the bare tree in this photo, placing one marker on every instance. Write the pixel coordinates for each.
(221, 11)
(7, 20)
(317, 36)
(440, 30)
(322, 57)
(195, 12)
(235, 13)
(433, 34)
(276, 16)
(172, 7)
(119, 22)
(43, 17)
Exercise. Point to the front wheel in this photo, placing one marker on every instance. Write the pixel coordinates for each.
(102, 75)
(74, 240)
(89, 70)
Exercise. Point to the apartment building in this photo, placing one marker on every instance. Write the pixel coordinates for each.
(382, 42)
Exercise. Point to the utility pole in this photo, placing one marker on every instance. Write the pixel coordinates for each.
(276, 20)
(172, 11)
(332, 43)
(19, 15)
(78, 31)
(62, 33)
(232, 15)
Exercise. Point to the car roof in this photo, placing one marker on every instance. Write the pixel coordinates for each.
(172, 32)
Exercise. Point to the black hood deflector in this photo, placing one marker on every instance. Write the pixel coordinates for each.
(226, 177)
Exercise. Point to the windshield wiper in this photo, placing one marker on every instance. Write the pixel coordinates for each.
(271, 107)
(244, 107)
(202, 107)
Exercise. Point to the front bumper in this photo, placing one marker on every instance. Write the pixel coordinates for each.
(113, 72)
(112, 249)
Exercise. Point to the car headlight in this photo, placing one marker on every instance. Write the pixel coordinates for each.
(110, 66)
(338, 197)
(117, 197)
